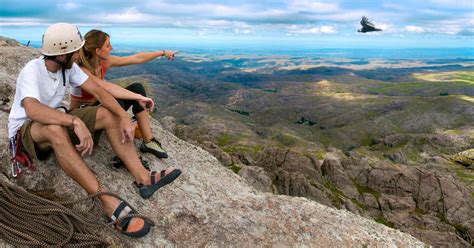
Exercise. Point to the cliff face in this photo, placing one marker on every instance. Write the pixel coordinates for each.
(428, 202)
(208, 205)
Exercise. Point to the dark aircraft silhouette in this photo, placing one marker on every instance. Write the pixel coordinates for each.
(367, 26)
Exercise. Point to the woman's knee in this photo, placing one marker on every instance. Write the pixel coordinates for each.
(137, 88)
(105, 118)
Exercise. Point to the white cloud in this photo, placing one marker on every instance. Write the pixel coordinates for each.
(202, 32)
(347, 16)
(459, 26)
(458, 4)
(69, 5)
(386, 28)
(94, 25)
(262, 17)
(414, 29)
(432, 12)
(126, 16)
(4, 21)
(313, 6)
(242, 31)
(466, 32)
(295, 29)
(202, 9)
(392, 6)
(327, 29)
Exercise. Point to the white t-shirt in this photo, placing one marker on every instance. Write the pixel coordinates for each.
(47, 87)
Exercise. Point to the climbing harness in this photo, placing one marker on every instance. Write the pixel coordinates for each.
(19, 155)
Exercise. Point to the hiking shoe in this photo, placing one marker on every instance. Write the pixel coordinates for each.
(116, 163)
(154, 147)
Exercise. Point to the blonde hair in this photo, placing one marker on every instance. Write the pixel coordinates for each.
(87, 56)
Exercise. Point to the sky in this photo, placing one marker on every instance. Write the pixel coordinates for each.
(251, 23)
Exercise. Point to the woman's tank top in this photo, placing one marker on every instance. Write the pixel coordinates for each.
(81, 95)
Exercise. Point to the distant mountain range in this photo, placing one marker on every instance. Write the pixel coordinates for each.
(348, 104)
(332, 53)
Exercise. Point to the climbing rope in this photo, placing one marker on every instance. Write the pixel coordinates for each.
(30, 220)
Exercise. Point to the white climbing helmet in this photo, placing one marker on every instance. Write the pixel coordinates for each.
(61, 38)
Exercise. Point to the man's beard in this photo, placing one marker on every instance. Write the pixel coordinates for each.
(69, 65)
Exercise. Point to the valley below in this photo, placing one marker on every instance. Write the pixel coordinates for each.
(391, 140)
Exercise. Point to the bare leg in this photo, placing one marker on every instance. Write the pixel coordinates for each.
(57, 138)
(143, 119)
(125, 151)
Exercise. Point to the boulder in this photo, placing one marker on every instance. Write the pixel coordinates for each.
(293, 173)
(333, 170)
(465, 158)
(257, 177)
(396, 157)
(220, 154)
(4, 41)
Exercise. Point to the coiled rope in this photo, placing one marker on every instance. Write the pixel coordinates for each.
(28, 219)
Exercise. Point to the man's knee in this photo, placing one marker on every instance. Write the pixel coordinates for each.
(56, 134)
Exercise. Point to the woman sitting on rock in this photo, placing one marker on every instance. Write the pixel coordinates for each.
(95, 59)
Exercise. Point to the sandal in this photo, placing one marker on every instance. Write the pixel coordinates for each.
(147, 190)
(124, 221)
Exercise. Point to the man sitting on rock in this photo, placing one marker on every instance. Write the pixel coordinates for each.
(44, 128)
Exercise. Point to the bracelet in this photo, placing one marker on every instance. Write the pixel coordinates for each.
(72, 122)
(164, 53)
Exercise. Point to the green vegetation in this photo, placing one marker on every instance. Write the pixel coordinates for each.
(454, 76)
(381, 219)
(420, 88)
(285, 139)
(467, 76)
(363, 189)
(336, 196)
(368, 140)
(240, 112)
(463, 233)
(235, 168)
(464, 158)
(226, 139)
(271, 90)
(466, 175)
(397, 89)
(358, 204)
(420, 211)
(460, 229)
(320, 154)
(243, 149)
(303, 121)
(442, 218)
(412, 155)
